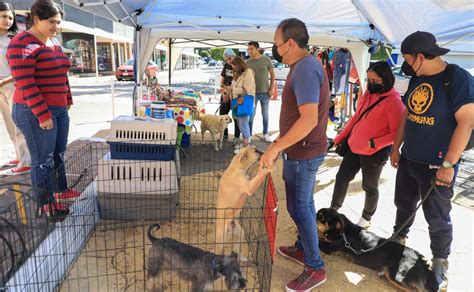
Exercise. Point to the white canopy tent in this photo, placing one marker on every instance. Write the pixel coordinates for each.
(335, 23)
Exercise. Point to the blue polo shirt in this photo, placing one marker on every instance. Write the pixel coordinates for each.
(430, 122)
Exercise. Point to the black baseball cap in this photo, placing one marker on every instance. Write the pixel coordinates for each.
(422, 42)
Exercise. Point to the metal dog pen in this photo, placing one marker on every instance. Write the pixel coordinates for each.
(103, 246)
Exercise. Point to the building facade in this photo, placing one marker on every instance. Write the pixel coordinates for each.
(95, 45)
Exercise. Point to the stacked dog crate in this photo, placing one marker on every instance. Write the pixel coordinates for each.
(138, 179)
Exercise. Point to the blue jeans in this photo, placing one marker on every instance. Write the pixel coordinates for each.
(264, 102)
(244, 126)
(300, 179)
(46, 148)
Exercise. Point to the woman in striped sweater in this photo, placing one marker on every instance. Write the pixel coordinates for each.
(41, 102)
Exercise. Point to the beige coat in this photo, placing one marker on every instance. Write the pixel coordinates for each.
(244, 85)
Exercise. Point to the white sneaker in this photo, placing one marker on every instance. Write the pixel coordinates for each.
(364, 223)
(267, 138)
(237, 148)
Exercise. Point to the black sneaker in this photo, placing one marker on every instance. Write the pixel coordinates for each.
(401, 239)
(55, 212)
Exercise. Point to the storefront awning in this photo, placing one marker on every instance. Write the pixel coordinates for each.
(71, 26)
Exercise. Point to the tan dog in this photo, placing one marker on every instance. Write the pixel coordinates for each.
(234, 186)
(216, 126)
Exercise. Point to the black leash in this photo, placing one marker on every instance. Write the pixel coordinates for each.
(395, 234)
(217, 110)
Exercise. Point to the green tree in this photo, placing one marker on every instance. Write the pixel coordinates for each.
(217, 54)
(203, 53)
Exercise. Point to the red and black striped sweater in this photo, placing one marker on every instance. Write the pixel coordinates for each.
(40, 74)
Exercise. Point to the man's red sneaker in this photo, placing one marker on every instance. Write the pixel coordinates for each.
(292, 253)
(68, 195)
(308, 280)
(17, 170)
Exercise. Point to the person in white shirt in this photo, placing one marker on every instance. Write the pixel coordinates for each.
(8, 28)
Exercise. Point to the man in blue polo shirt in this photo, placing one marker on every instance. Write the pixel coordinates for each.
(434, 130)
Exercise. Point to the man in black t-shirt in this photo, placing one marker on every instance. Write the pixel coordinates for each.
(434, 131)
(226, 80)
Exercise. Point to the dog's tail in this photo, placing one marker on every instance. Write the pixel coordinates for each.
(150, 230)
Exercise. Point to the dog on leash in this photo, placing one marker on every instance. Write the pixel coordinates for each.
(198, 266)
(239, 180)
(402, 266)
(216, 126)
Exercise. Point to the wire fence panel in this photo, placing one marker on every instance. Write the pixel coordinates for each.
(104, 245)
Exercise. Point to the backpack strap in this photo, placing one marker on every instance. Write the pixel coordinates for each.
(448, 76)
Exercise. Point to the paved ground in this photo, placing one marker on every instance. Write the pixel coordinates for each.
(93, 109)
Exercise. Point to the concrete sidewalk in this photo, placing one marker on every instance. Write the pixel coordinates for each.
(345, 276)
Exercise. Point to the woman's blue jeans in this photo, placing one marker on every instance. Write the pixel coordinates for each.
(47, 148)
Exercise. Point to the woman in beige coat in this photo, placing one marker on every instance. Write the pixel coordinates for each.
(243, 84)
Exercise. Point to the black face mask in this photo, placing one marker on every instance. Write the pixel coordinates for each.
(276, 55)
(407, 69)
(374, 87)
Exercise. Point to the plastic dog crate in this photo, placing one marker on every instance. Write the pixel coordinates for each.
(139, 139)
(137, 189)
(139, 151)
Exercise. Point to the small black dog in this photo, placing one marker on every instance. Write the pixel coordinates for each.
(402, 266)
(193, 264)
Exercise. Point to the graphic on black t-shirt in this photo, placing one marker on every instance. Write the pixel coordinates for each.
(227, 74)
(421, 98)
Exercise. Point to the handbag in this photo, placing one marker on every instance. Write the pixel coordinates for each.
(342, 147)
(242, 106)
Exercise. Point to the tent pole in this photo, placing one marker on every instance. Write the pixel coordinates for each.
(458, 39)
(390, 56)
(169, 62)
(137, 94)
(96, 60)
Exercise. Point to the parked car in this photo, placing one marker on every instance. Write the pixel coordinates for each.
(125, 71)
(401, 80)
(212, 62)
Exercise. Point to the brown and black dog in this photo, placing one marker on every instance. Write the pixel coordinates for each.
(402, 266)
